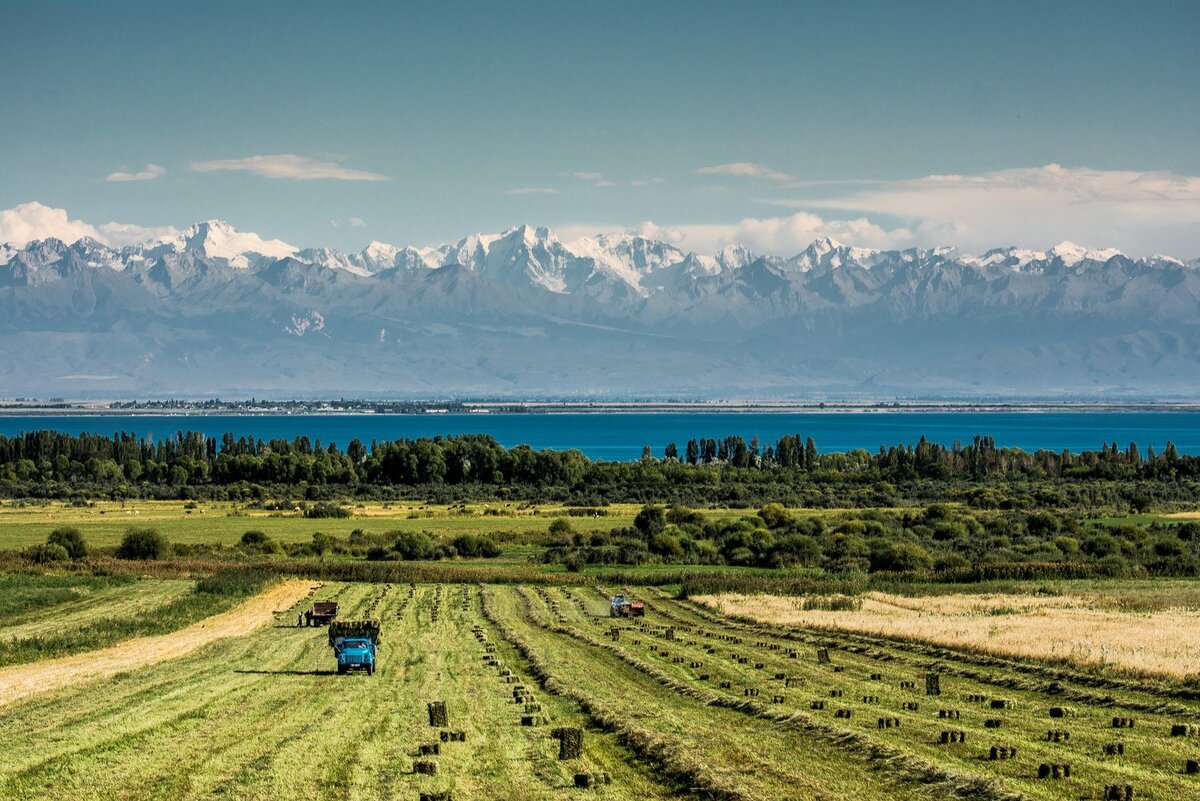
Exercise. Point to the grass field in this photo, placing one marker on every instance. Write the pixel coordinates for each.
(223, 523)
(1144, 628)
(685, 704)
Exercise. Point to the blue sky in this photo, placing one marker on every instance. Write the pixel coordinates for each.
(700, 122)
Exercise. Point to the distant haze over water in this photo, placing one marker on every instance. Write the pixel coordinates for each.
(620, 436)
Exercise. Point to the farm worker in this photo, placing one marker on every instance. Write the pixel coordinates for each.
(308, 617)
(299, 619)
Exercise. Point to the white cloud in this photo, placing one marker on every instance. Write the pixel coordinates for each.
(780, 236)
(645, 181)
(29, 221)
(349, 222)
(1138, 212)
(605, 183)
(532, 190)
(121, 234)
(289, 166)
(149, 173)
(585, 175)
(746, 169)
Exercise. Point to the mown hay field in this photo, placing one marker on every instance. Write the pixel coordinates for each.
(1128, 628)
(686, 703)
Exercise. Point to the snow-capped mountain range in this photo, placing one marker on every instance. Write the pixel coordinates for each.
(214, 310)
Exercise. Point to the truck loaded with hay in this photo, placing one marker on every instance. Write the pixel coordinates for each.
(355, 643)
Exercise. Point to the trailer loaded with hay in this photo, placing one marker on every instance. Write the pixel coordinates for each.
(355, 643)
(620, 606)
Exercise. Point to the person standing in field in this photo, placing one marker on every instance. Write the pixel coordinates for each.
(299, 619)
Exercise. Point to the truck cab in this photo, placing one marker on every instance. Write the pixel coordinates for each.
(355, 653)
(355, 645)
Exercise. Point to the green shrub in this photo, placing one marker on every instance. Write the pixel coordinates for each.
(46, 553)
(71, 539)
(143, 543)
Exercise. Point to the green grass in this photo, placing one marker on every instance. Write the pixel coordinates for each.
(133, 609)
(263, 716)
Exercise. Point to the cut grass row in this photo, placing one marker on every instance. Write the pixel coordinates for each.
(1153, 761)
(265, 717)
(143, 607)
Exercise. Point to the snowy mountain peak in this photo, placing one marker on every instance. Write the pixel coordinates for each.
(1071, 254)
(219, 240)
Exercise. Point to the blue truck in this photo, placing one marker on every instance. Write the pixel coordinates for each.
(355, 643)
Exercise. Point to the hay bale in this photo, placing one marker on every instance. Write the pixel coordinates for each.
(793, 682)
(976, 698)
(1183, 730)
(948, 714)
(908, 685)
(1114, 749)
(843, 713)
(1191, 767)
(443, 795)
(1054, 770)
(437, 714)
(750, 692)
(570, 742)
(870, 699)
(836, 693)
(950, 736)
(818, 705)
(888, 723)
(429, 749)
(1058, 736)
(1001, 703)
(1123, 723)
(1118, 792)
(1002, 752)
(425, 767)
(933, 684)
(1061, 712)
(822, 656)
(777, 699)
(532, 720)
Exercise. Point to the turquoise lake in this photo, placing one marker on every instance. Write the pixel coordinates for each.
(620, 436)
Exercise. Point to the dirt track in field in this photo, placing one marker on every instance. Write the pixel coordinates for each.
(21, 681)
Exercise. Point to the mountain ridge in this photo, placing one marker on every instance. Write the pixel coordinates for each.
(215, 310)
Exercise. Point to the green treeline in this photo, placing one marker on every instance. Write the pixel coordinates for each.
(727, 471)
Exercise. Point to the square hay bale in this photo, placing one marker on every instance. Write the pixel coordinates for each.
(1058, 736)
(933, 684)
(429, 749)
(888, 723)
(838, 668)
(948, 714)
(1001, 703)
(792, 681)
(822, 656)
(1114, 749)
(836, 693)
(976, 698)
(1118, 792)
(777, 699)
(1054, 770)
(725, 685)
(1191, 766)
(908, 685)
(910, 706)
(817, 705)
(876, 677)
(1062, 712)
(437, 714)
(751, 692)
(870, 699)
(570, 742)
(1183, 730)
(1002, 752)
(426, 767)
(1123, 723)
(442, 795)
(843, 713)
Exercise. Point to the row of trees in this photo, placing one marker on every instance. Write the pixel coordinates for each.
(727, 471)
